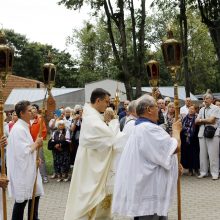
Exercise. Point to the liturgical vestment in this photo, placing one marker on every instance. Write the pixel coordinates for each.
(21, 164)
(92, 165)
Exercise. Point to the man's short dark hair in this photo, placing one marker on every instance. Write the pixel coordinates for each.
(21, 107)
(36, 106)
(98, 93)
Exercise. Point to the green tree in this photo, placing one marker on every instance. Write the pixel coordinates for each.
(210, 12)
(30, 57)
(116, 20)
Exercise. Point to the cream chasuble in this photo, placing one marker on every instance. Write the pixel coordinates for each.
(92, 164)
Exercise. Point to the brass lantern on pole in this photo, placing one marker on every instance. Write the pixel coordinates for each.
(172, 54)
(6, 62)
(116, 100)
(153, 73)
(49, 73)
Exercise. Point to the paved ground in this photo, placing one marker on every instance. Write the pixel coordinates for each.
(200, 200)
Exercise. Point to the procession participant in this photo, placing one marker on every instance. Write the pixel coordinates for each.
(75, 128)
(149, 162)
(59, 144)
(131, 118)
(184, 110)
(35, 129)
(209, 147)
(93, 161)
(21, 163)
(190, 142)
(13, 121)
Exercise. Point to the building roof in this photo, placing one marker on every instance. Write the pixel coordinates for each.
(34, 95)
(169, 91)
(107, 84)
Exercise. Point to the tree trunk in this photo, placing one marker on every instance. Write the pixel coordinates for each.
(215, 35)
(210, 13)
(122, 62)
(184, 35)
(141, 50)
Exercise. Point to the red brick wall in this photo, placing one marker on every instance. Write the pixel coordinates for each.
(19, 82)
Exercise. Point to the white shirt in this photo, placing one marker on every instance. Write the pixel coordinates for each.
(211, 111)
(147, 173)
(21, 164)
(129, 125)
(184, 110)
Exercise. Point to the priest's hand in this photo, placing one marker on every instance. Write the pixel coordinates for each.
(39, 142)
(177, 126)
(3, 182)
(3, 141)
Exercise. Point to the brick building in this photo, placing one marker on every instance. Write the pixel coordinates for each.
(20, 82)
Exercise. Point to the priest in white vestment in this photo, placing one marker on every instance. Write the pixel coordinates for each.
(147, 173)
(21, 163)
(88, 197)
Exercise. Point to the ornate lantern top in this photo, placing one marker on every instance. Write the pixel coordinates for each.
(6, 58)
(171, 49)
(49, 72)
(153, 73)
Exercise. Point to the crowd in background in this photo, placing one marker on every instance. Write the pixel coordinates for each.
(64, 132)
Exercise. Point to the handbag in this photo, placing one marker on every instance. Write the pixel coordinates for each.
(209, 131)
(50, 145)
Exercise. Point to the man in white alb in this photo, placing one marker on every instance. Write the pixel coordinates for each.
(21, 163)
(147, 173)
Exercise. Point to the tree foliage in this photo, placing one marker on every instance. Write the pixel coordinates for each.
(30, 57)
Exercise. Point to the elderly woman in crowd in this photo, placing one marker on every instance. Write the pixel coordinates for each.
(59, 144)
(190, 142)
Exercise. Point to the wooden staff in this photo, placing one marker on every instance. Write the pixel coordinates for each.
(3, 172)
(176, 106)
(37, 160)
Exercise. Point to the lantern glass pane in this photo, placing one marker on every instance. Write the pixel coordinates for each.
(46, 75)
(170, 54)
(148, 71)
(10, 59)
(154, 71)
(52, 75)
(2, 59)
(178, 53)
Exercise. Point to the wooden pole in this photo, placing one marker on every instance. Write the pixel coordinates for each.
(3, 172)
(37, 162)
(176, 106)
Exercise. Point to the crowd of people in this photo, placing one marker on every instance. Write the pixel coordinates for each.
(105, 146)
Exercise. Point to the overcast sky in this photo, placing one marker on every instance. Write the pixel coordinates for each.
(42, 20)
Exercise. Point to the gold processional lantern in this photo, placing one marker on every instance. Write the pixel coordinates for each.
(49, 73)
(116, 100)
(6, 62)
(153, 73)
(172, 53)
(6, 59)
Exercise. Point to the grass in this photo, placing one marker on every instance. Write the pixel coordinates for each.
(48, 158)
